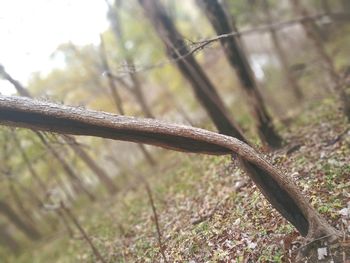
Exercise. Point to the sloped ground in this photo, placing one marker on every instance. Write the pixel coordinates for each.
(209, 211)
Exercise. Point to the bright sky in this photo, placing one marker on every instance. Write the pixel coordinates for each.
(31, 30)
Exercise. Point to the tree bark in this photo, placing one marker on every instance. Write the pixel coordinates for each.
(190, 69)
(339, 86)
(15, 219)
(276, 187)
(239, 62)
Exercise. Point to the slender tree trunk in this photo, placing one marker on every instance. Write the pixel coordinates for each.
(338, 84)
(77, 184)
(69, 194)
(66, 223)
(326, 8)
(138, 89)
(90, 68)
(147, 154)
(233, 24)
(35, 199)
(33, 196)
(111, 84)
(328, 27)
(239, 62)
(6, 239)
(119, 103)
(346, 5)
(19, 204)
(136, 85)
(190, 69)
(15, 219)
(103, 177)
(29, 165)
(281, 192)
(75, 221)
(291, 81)
(96, 169)
(178, 107)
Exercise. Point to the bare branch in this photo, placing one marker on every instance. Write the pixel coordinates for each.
(201, 44)
(75, 221)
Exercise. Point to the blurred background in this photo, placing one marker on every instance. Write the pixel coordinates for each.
(114, 56)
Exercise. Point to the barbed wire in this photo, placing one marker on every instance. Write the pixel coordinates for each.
(196, 46)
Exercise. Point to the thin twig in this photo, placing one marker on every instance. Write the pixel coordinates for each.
(202, 218)
(201, 44)
(312, 241)
(155, 215)
(83, 233)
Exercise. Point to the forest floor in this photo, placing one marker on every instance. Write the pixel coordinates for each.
(208, 210)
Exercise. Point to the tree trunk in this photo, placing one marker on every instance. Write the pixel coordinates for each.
(326, 8)
(178, 107)
(136, 86)
(138, 89)
(25, 158)
(59, 181)
(190, 69)
(239, 62)
(31, 194)
(118, 101)
(102, 176)
(292, 82)
(6, 239)
(276, 187)
(85, 236)
(19, 204)
(232, 21)
(78, 185)
(346, 5)
(15, 219)
(34, 198)
(338, 84)
(112, 87)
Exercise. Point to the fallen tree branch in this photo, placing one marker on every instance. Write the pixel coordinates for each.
(276, 187)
